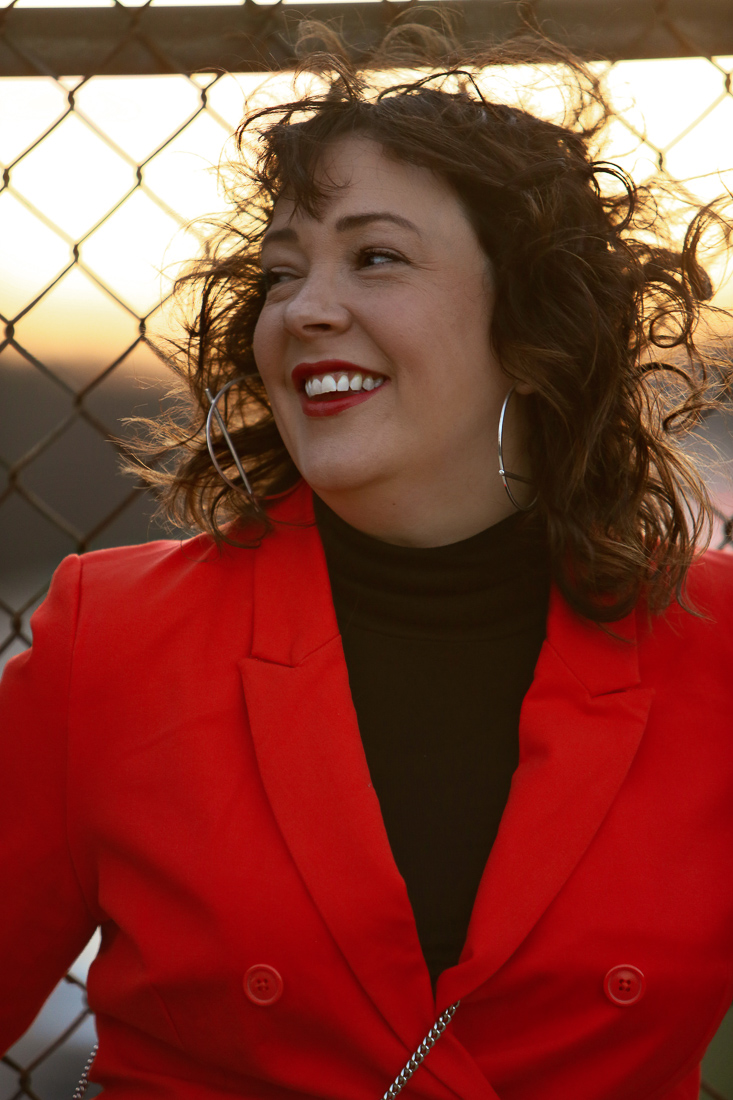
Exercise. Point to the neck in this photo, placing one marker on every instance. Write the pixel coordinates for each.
(419, 518)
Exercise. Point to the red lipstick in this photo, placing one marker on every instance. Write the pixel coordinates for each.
(331, 403)
(304, 371)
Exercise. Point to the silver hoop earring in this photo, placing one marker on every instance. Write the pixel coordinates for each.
(504, 474)
(214, 413)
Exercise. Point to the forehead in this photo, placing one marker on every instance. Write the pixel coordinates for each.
(356, 174)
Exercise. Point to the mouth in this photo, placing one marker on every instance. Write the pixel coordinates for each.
(331, 386)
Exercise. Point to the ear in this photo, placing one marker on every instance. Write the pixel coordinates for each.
(524, 388)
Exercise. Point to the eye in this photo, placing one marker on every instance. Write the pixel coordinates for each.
(378, 257)
(276, 277)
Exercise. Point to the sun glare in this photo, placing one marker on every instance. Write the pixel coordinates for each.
(147, 149)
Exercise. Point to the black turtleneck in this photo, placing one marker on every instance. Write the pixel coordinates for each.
(441, 645)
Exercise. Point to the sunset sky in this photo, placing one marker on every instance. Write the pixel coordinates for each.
(87, 165)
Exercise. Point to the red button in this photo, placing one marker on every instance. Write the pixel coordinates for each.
(624, 985)
(263, 985)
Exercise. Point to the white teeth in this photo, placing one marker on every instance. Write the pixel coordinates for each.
(340, 383)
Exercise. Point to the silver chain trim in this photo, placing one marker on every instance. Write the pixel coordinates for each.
(416, 1060)
(81, 1088)
(413, 1063)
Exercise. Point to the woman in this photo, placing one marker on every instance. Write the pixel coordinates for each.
(274, 762)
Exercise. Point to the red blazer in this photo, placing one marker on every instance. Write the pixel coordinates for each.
(181, 764)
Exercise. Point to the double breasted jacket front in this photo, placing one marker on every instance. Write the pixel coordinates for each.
(181, 764)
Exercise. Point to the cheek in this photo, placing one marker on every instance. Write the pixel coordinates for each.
(265, 345)
(455, 316)
(259, 346)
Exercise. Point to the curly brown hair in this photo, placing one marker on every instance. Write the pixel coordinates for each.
(590, 291)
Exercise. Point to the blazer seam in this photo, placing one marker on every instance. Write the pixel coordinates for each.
(289, 664)
(625, 686)
(159, 997)
(67, 781)
(569, 668)
(336, 637)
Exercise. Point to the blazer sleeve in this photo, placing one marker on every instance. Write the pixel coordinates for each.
(44, 921)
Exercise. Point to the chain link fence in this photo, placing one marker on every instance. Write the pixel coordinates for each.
(92, 197)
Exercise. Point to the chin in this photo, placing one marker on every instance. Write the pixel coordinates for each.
(336, 483)
(344, 476)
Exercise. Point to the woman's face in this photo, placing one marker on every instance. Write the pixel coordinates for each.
(384, 304)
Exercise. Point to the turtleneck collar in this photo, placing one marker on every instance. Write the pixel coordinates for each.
(494, 584)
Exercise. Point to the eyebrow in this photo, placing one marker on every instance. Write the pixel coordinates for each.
(344, 224)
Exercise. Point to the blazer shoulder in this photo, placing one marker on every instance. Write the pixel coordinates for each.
(695, 638)
(709, 587)
(137, 604)
(160, 569)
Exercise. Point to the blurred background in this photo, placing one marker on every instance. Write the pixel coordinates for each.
(113, 119)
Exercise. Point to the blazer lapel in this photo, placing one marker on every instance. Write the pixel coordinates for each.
(580, 726)
(313, 767)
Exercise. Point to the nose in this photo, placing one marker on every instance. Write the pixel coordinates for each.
(316, 306)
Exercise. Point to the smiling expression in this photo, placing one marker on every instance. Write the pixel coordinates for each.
(373, 342)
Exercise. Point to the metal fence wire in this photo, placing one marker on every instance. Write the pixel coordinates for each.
(62, 404)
